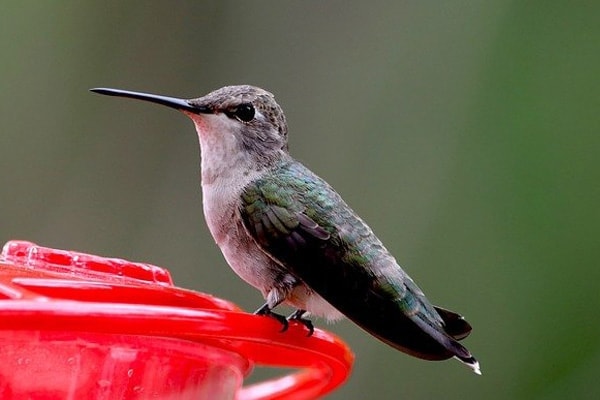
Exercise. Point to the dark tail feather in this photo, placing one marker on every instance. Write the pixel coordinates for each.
(455, 324)
(455, 328)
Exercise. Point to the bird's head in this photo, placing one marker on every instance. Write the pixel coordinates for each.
(244, 119)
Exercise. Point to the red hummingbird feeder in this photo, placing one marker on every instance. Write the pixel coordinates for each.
(79, 326)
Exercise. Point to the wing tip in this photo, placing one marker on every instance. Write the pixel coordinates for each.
(470, 362)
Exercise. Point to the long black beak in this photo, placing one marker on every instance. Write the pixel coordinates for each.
(173, 102)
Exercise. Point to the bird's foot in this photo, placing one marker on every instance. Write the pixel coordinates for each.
(297, 316)
(266, 310)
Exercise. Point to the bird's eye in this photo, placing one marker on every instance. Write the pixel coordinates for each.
(244, 112)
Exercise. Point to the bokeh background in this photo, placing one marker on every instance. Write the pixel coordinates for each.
(465, 133)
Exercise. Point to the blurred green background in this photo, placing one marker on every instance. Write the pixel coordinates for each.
(465, 133)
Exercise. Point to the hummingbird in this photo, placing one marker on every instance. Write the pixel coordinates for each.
(288, 233)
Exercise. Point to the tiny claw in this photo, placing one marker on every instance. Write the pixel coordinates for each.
(283, 320)
(308, 324)
(297, 316)
(266, 311)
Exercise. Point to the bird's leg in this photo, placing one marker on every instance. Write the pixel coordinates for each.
(297, 316)
(274, 298)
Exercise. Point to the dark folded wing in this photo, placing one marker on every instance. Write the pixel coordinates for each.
(297, 219)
